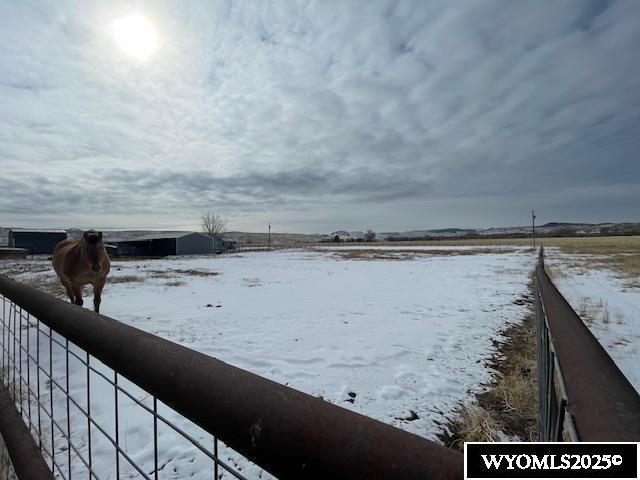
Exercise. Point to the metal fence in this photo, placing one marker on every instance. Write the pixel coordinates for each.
(583, 396)
(53, 384)
(555, 423)
(101, 399)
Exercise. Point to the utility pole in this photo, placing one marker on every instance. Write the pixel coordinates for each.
(533, 227)
(269, 235)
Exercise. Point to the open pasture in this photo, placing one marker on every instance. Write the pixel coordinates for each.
(392, 339)
(401, 341)
(620, 254)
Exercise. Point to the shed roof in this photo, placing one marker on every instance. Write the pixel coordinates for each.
(154, 236)
(34, 230)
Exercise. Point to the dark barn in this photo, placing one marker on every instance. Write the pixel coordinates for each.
(222, 245)
(228, 245)
(163, 244)
(36, 241)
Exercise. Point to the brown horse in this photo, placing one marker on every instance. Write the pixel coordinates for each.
(80, 262)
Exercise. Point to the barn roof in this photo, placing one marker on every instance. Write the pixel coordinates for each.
(152, 236)
(34, 230)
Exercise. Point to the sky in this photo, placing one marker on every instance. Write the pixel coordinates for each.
(322, 115)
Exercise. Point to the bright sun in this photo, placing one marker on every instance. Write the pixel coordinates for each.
(135, 35)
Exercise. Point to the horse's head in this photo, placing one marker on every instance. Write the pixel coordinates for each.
(92, 244)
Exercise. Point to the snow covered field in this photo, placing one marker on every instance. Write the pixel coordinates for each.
(607, 303)
(426, 248)
(402, 341)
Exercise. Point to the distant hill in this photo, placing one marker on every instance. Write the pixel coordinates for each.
(548, 229)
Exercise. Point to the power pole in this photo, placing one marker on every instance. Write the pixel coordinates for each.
(269, 235)
(533, 227)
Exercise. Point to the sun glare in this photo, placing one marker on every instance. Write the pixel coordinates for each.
(135, 35)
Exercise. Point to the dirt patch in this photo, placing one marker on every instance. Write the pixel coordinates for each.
(374, 255)
(252, 282)
(50, 285)
(11, 269)
(125, 279)
(195, 273)
(391, 254)
(510, 405)
(171, 272)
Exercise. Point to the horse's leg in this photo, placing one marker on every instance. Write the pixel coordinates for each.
(67, 285)
(77, 291)
(97, 293)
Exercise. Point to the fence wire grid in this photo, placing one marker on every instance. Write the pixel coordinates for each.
(90, 422)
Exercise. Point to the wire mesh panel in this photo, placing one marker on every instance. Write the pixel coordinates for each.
(90, 422)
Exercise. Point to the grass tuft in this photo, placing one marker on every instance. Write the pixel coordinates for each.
(477, 425)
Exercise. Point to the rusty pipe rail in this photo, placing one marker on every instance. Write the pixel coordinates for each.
(25, 456)
(602, 404)
(286, 432)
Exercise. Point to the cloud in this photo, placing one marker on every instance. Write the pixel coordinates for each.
(297, 109)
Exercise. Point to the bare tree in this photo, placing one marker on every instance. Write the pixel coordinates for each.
(212, 224)
(370, 236)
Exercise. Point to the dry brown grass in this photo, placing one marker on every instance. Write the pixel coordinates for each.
(375, 255)
(619, 254)
(510, 405)
(194, 272)
(598, 311)
(11, 268)
(584, 309)
(595, 245)
(575, 244)
(626, 265)
(406, 254)
(171, 272)
(476, 425)
(514, 394)
(125, 279)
